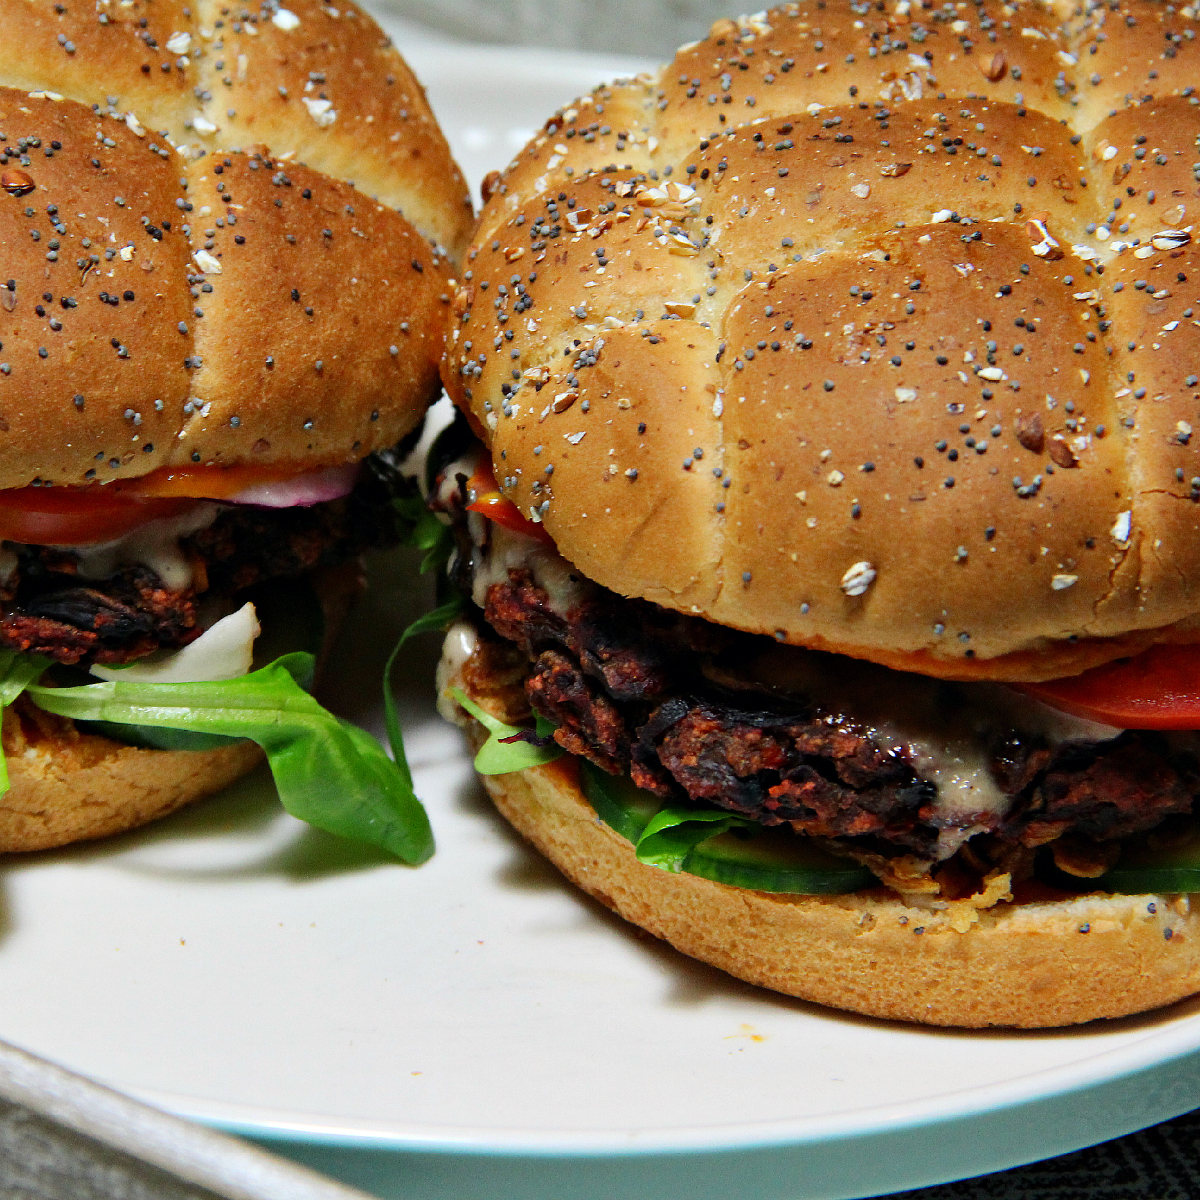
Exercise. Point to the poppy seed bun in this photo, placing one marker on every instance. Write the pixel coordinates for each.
(1029, 965)
(812, 329)
(195, 280)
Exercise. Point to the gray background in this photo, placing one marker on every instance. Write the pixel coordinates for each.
(653, 27)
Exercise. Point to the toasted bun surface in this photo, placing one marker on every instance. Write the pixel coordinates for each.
(169, 300)
(67, 786)
(1028, 965)
(812, 329)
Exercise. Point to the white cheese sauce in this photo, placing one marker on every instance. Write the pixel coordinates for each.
(497, 549)
(507, 550)
(945, 731)
(460, 643)
(223, 651)
(154, 545)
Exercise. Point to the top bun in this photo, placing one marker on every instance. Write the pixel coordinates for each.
(867, 326)
(227, 238)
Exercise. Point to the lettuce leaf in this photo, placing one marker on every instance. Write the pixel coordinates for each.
(506, 749)
(674, 832)
(17, 672)
(438, 619)
(718, 845)
(329, 773)
(425, 530)
(148, 737)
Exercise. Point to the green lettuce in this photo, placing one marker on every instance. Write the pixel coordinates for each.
(673, 833)
(505, 749)
(438, 619)
(426, 531)
(716, 844)
(328, 772)
(17, 672)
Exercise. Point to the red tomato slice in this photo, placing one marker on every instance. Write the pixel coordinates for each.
(77, 516)
(69, 516)
(1157, 689)
(499, 508)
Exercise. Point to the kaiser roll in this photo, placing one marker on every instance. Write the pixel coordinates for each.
(868, 327)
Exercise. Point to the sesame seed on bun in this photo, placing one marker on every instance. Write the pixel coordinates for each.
(227, 240)
(871, 331)
(856, 332)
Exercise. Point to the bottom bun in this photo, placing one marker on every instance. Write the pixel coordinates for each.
(67, 786)
(1030, 965)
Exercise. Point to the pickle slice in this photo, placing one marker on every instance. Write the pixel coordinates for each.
(1166, 860)
(776, 860)
(744, 855)
(619, 803)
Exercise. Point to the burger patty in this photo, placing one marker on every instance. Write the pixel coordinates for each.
(621, 680)
(47, 608)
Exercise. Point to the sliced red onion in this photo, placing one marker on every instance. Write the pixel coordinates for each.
(313, 487)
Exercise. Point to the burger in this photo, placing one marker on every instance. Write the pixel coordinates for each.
(228, 237)
(827, 516)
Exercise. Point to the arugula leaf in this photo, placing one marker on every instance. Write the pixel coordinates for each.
(17, 672)
(674, 832)
(618, 801)
(696, 840)
(434, 537)
(329, 773)
(425, 531)
(147, 737)
(499, 755)
(439, 618)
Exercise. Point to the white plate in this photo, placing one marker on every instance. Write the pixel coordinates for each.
(510, 1035)
(232, 965)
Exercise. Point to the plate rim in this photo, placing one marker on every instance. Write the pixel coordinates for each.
(1102, 1070)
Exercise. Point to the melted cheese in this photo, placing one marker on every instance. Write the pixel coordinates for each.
(460, 643)
(506, 550)
(945, 731)
(496, 549)
(154, 545)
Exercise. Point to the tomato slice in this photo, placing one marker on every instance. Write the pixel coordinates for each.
(1157, 689)
(80, 516)
(499, 508)
(77, 516)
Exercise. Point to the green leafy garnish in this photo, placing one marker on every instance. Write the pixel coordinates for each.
(438, 619)
(17, 672)
(423, 529)
(329, 773)
(149, 737)
(673, 833)
(505, 750)
(618, 801)
(716, 844)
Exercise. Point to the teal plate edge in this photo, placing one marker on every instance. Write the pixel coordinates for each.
(845, 1166)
